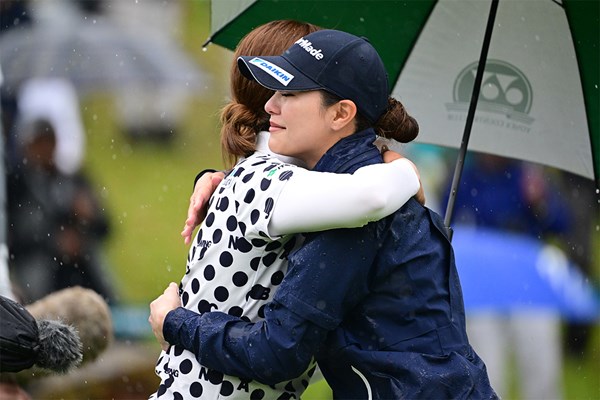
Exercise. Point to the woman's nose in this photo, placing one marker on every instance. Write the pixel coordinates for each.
(271, 106)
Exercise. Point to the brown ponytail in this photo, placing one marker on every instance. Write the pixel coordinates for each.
(396, 123)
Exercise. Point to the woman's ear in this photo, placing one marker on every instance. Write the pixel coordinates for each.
(344, 113)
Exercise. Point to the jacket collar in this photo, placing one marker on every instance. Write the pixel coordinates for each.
(350, 153)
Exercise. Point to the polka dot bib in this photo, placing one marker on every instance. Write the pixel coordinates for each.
(234, 266)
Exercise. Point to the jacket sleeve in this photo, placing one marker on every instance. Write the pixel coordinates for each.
(271, 351)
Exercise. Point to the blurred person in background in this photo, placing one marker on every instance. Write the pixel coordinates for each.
(515, 197)
(56, 222)
(578, 244)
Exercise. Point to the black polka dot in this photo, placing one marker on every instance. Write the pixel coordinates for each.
(209, 272)
(286, 175)
(235, 311)
(196, 389)
(290, 387)
(199, 236)
(258, 242)
(242, 228)
(195, 285)
(221, 293)
(243, 245)
(269, 205)
(169, 382)
(261, 311)
(247, 177)
(217, 235)
(222, 204)
(238, 171)
(177, 350)
(231, 223)
(162, 389)
(226, 259)
(240, 279)
(210, 219)
(204, 306)
(226, 388)
(254, 263)
(185, 367)
(264, 184)
(177, 396)
(254, 216)
(269, 259)
(185, 297)
(276, 278)
(215, 377)
(249, 196)
(257, 394)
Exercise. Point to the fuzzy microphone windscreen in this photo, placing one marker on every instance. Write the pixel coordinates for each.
(60, 347)
(25, 342)
(85, 310)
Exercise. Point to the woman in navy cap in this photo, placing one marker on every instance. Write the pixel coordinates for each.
(380, 307)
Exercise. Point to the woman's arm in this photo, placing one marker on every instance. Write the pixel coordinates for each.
(316, 201)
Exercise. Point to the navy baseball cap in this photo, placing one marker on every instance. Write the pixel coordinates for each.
(338, 62)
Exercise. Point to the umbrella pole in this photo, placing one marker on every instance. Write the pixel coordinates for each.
(470, 117)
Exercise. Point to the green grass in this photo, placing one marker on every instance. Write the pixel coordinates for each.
(146, 187)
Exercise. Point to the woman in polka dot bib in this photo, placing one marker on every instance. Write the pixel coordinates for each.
(239, 255)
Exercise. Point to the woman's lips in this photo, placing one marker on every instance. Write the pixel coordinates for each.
(274, 127)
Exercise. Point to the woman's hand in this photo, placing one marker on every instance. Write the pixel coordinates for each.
(159, 309)
(205, 186)
(389, 156)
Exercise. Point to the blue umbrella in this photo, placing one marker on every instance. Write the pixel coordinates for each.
(506, 272)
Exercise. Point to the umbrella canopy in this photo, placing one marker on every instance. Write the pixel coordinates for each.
(520, 274)
(539, 94)
(94, 54)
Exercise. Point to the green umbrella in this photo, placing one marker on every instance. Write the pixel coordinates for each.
(516, 78)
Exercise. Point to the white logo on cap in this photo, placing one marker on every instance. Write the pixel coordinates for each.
(308, 47)
(276, 72)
